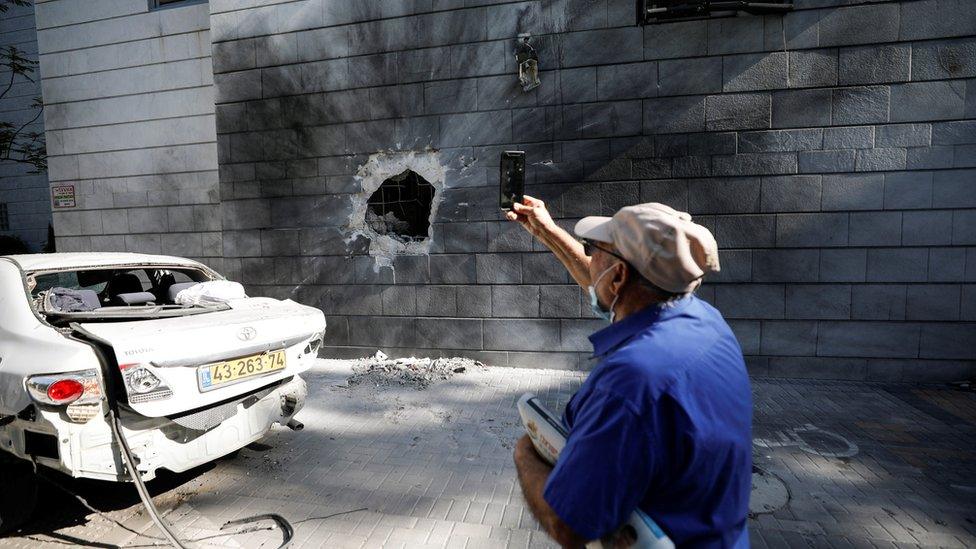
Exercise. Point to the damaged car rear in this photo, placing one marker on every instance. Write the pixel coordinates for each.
(196, 369)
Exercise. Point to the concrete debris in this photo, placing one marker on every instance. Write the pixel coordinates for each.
(419, 373)
(388, 225)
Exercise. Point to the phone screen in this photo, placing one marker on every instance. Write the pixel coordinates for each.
(512, 179)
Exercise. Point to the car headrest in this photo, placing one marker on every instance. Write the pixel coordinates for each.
(135, 298)
(177, 288)
(125, 283)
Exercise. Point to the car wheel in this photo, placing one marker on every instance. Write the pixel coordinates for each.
(19, 494)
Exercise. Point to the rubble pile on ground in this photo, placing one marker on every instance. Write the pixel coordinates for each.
(419, 373)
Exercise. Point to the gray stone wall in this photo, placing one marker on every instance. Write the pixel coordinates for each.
(830, 150)
(130, 124)
(24, 193)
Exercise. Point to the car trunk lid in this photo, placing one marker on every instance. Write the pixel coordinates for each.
(172, 350)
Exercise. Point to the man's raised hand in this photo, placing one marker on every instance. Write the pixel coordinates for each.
(532, 215)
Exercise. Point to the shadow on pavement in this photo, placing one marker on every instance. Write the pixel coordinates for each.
(58, 507)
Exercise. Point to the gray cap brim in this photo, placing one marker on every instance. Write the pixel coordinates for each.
(594, 228)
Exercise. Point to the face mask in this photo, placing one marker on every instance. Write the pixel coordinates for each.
(598, 310)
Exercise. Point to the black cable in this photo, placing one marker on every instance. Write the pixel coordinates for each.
(121, 525)
(112, 416)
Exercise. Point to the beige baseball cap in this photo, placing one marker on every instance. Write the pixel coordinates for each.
(663, 244)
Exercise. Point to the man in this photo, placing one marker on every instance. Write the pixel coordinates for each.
(663, 422)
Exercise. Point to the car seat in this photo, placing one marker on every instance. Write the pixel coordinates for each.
(122, 283)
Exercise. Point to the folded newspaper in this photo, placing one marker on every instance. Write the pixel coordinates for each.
(549, 437)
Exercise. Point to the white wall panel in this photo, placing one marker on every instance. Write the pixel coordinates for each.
(130, 120)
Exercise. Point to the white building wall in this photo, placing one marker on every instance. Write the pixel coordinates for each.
(24, 193)
(130, 124)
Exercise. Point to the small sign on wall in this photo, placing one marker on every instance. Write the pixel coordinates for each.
(63, 196)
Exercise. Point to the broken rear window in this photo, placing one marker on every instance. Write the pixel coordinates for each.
(113, 292)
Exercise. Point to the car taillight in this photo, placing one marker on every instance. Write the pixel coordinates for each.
(80, 392)
(142, 384)
(65, 391)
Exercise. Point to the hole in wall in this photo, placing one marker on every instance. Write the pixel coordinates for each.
(400, 207)
(399, 199)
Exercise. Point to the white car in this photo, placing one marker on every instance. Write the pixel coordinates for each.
(192, 382)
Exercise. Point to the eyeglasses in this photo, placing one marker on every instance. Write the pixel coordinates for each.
(589, 246)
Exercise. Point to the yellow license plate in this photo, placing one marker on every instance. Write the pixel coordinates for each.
(222, 373)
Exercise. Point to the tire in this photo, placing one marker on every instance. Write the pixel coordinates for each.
(19, 495)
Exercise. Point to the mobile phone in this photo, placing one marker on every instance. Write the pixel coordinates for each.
(511, 182)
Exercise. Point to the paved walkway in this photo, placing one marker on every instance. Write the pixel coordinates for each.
(838, 465)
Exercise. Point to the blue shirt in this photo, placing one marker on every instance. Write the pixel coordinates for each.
(662, 423)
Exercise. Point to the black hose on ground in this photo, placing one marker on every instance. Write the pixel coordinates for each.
(286, 530)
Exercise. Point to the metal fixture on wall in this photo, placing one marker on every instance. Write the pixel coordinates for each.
(528, 63)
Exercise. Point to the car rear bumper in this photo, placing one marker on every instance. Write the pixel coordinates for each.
(176, 444)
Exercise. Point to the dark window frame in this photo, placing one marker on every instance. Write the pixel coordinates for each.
(169, 4)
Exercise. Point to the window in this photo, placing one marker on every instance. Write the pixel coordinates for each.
(4, 217)
(156, 4)
(657, 11)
